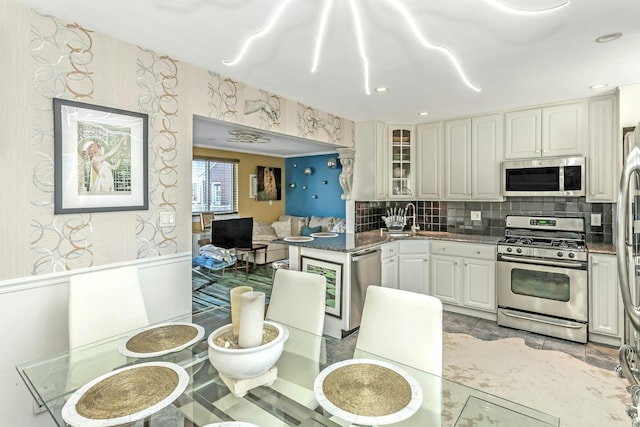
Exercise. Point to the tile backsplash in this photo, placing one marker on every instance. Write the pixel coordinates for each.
(455, 217)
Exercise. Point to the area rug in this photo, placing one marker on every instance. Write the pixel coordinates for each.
(212, 288)
(550, 381)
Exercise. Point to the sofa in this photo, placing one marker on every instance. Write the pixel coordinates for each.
(286, 226)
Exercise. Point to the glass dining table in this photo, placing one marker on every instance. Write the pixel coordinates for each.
(289, 400)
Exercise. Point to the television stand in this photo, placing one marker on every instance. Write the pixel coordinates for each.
(242, 254)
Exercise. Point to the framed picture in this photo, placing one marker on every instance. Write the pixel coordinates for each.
(205, 220)
(100, 158)
(333, 272)
(269, 186)
(253, 186)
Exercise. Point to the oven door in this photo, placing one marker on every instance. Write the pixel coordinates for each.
(548, 287)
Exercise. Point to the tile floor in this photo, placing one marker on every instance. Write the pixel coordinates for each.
(602, 356)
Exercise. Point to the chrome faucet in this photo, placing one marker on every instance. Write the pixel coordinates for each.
(414, 226)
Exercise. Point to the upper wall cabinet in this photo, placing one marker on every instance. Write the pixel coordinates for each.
(430, 145)
(473, 154)
(370, 166)
(557, 130)
(603, 167)
(401, 162)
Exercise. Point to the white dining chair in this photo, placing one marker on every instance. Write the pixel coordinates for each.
(102, 304)
(105, 303)
(298, 300)
(402, 326)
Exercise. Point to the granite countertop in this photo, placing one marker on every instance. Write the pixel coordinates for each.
(601, 248)
(352, 242)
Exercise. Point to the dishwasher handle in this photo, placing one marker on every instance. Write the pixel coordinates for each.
(357, 256)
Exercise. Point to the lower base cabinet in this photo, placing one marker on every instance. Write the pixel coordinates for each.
(389, 265)
(413, 266)
(464, 274)
(606, 313)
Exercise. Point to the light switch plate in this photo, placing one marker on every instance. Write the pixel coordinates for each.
(167, 219)
(476, 215)
(596, 220)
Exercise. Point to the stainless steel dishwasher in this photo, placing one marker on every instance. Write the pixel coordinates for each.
(365, 272)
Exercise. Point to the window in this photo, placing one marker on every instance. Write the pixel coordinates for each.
(214, 186)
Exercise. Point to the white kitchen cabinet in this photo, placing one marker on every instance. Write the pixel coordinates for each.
(429, 147)
(464, 274)
(389, 265)
(370, 168)
(606, 313)
(401, 162)
(487, 135)
(473, 156)
(552, 131)
(603, 166)
(457, 155)
(413, 274)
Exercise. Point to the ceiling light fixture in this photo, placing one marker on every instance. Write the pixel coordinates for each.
(355, 14)
(608, 37)
(247, 136)
(516, 11)
(382, 89)
(424, 113)
(598, 86)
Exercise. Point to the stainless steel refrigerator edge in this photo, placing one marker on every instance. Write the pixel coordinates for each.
(627, 217)
(365, 272)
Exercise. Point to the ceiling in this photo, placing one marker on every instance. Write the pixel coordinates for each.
(517, 60)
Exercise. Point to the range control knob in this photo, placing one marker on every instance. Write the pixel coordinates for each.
(560, 254)
(519, 250)
(572, 255)
(509, 249)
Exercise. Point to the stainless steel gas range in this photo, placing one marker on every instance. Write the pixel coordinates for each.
(542, 283)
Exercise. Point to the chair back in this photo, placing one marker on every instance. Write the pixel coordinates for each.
(402, 326)
(298, 299)
(105, 303)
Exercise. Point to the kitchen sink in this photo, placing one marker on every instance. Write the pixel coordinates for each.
(399, 234)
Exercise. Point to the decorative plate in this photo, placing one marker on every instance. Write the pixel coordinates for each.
(162, 339)
(115, 398)
(324, 234)
(367, 392)
(298, 239)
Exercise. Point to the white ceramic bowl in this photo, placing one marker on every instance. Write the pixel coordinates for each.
(242, 363)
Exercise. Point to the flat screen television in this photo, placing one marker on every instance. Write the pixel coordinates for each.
(232, 233)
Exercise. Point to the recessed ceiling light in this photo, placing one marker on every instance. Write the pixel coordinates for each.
(608, 37)
(382, 89)
(598, 86)
(424, 113)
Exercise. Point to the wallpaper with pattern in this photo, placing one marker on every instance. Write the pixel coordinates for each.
(67, 60)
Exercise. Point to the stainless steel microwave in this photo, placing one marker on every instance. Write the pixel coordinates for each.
(559, 176)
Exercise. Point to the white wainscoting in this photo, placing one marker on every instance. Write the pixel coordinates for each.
(33, 322)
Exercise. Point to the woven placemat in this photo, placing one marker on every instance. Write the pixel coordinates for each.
(161, 338)
(127, 392)
(367, 390)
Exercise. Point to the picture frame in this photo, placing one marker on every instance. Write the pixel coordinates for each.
(269, 183)
(253, 186)
(333, 272)
(100, 158)
(205, 220)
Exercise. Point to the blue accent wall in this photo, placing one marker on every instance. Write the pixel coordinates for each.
(300, 201)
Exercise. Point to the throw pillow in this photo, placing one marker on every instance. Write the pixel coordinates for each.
(326, 222)
(306, 231)
(282, 228)
(263, 232)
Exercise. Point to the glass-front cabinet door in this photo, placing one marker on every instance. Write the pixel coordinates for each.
(401, 158)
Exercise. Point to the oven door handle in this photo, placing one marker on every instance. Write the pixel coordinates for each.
(568, 264)
(564, 325)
